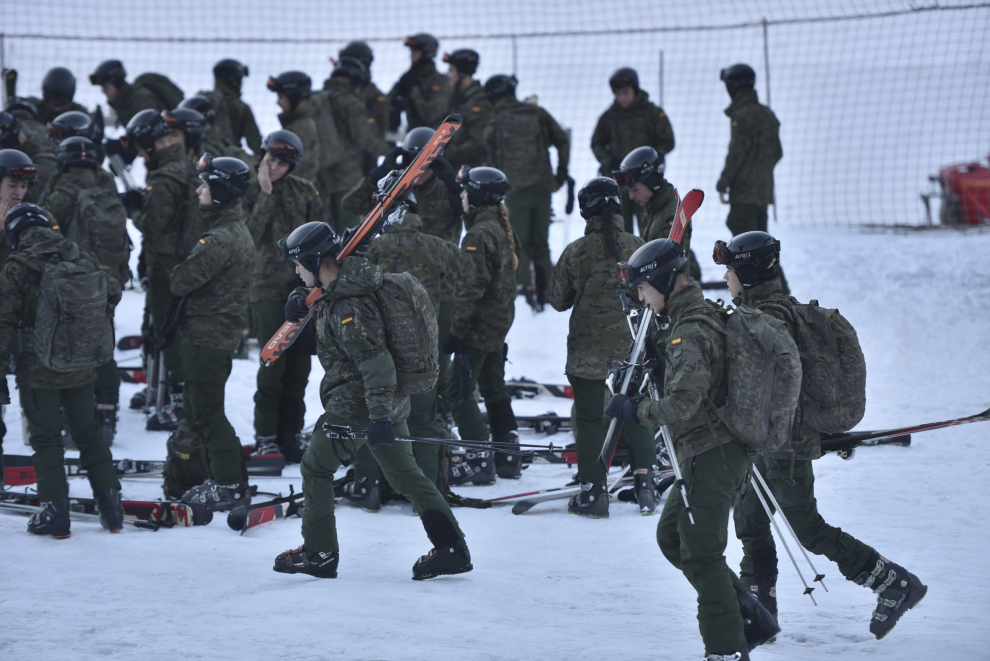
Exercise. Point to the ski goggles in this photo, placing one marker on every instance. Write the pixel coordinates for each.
(723, 255)
(205, 161)
(627, 273)
(622, 177)
(283, 151)
(23, 172)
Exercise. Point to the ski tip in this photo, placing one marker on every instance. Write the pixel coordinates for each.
(454, 118)
(522, 506)
(236, 518)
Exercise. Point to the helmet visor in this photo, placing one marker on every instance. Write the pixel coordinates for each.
(626, 273)
(622, 177)
(23, 172)
(283, 151)
(722, 255)
(283, 250)
(272, 85)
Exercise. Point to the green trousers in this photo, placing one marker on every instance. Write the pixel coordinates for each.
(630, 209)
(159, 293)
(751, 218)
(590, 430)
(530, 219)
(488, 373)
(698, 549)
(41, 408)
(341, 218)
(206, 371)
(321, 461)
(281, 385)
(445, 314)
(801, 509)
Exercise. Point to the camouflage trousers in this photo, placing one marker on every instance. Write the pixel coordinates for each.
(206, 372)
(281, 385)
(798, 502)
(530, 219)
(751, 218)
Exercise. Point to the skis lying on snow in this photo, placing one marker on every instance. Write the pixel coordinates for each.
(849, 440)
(624, 479)
(525, 388)
(246, 517)
(151, 514)
(19, 469)
(263, 465)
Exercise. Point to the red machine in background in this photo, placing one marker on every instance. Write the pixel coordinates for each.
(965, 194)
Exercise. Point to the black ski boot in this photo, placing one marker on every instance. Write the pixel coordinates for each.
(758, 624)
(265, 446)
(645, 490)
(471, 466)
(592, 501)
(169, 417)
(897, 590)
(111, 510)
(218, 498)
(312, 563)
(449, 554)
(138, 398)
(52, 520)
(502, 422)
(764, 588)
(364, 493)
(741, 655)
(106, 405)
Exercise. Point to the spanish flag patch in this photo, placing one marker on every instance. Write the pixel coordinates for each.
(436, 88)
(476, 109)
(381, 99)
(470, 248)
(203, 241)
(371, 120)
(674, 342)
(344, 322)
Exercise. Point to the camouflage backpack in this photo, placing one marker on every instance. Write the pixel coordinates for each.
(169, 93)
(833, 388)
(331, 144)
(522, 146)
(763, 375)
(99, 224)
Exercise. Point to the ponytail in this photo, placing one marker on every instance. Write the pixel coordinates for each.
(503, 220)
(610, 236)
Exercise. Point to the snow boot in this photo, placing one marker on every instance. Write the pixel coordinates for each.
(449, 554)
(111, 510)
(364, 493)
(471, 466)
(897, 590)
(312, 563)
(646, 493)
(741, 655)
(764, 588)
(592, 501)
(217, 497)
(106, 406)
(52, 520)
(758, 624)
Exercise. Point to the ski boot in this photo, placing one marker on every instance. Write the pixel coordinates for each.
(897, 590)
(592, 501)
(111, 510)
(265, 446)
(764, 588)
(741, 655)
(364, 493)
(52, 520)
(758, 624)
(106, 407)
(471, 466)
(138, 398)
(312, 563)
(645, 491)
(169, 417)
(449, 554)
(217, 497)
(507, 466)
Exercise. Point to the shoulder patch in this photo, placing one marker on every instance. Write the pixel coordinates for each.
(202, 241)
(471, 248)
(371, 120)
(734, 122)
(381, 99)
(148, 188)
(476, 109)
(436, 88)
(346, 320)
(663, 114)
(674, 342)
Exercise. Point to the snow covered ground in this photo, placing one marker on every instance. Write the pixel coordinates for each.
(547, 585)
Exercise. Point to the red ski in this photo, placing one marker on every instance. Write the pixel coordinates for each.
(246, 517)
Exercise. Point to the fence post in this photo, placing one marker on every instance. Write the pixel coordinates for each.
(660, 91)
(515, 56)
(766, 70)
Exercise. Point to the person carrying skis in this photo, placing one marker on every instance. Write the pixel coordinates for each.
(751, 261)
(360, 389)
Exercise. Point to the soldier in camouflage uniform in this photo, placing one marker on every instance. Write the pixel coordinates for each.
(375, 100)
(712, 461)
(234, 118)
(208, 304)
(20, 129)
(359, 389)
(61, 207)
(29, 232)
(422, 92)
(17, 174)
(630, 122)
(467, 146)
(751, 260)
(58, 87)
(285, 203)
(586, 278)
(127, 100)
(517, 140)
(293, 89)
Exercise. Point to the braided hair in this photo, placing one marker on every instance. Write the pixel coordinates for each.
(503, 220)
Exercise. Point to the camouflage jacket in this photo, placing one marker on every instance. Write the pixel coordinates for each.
(170, 221)
(376, 102)
(239, 117)
(430, 98)
(753, 152)
(510, 126)
(467, 146)
(293, 202)
(696, 377)
(19, 287)
(213, 278)
(805, 442)
(484, 298)
(47, 112)
(439, 209)
(658, 217)
(131, 100)
(586, 277)
(215, 143)
(360, 140)
(62, 191)
(39, 150)
(407, 249)
(360, 379)
(301, 123)
(620, 130)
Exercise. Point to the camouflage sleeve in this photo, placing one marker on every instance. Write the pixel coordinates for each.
(471, 147)
(600, 142)
(250, 128)
(688, 378)
(739, 148)
(472, 285)
(358, 199)
(261, 216)
(561, 293)
(560, 139)
(663, 132)
(361, 129)
(314, 207)
(143, 99)
(207, 259)
(11, 306)
(61, 205)
(452, 262)
(431, 109)
(490, 137)
(47, 190)
(162, 197)
(360, 332)
(309, 165)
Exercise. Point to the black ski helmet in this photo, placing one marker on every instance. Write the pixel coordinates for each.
(19, 104)
(360, 50)
(414, 142)
(230, 71)
(624, 77)
(485, 186)
(109, 71)
(500, 85)
(598, 195)
(58, 86)
(658, 262)
(10, 131)
(752, 255)
(143, 129)
(353, 69)
(295, 85)
(228, 178)
(77, 151)
(642, 165)
(69, 124)
(22, 217)
(464, 60)
(309, 244)
(190, 122)
(424, 42)
(16, 165)
(202, 105)
(737, 77)
(283, 145)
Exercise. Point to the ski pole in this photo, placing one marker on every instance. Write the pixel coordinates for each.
(341, 432)
(669, 443)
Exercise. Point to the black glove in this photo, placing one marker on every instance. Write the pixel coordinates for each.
(4, 393)
(395, 109)
(569, 207)
(296, 308)
(406, 83)
(444, 171)
(114, 147)
(452, 344)
(623, 407)
(133, 200)
(173, 317)
(388, 164)
(380, 432)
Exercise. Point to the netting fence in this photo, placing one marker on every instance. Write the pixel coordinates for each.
(873, 96)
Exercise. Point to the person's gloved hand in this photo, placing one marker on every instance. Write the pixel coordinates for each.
(624, 408)
(389, 163)
(4, 391)
(133, 200)
(444, 171)
(296, 308)
(380, 432)
(114, 147)
(407, 82)
(451, 344)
